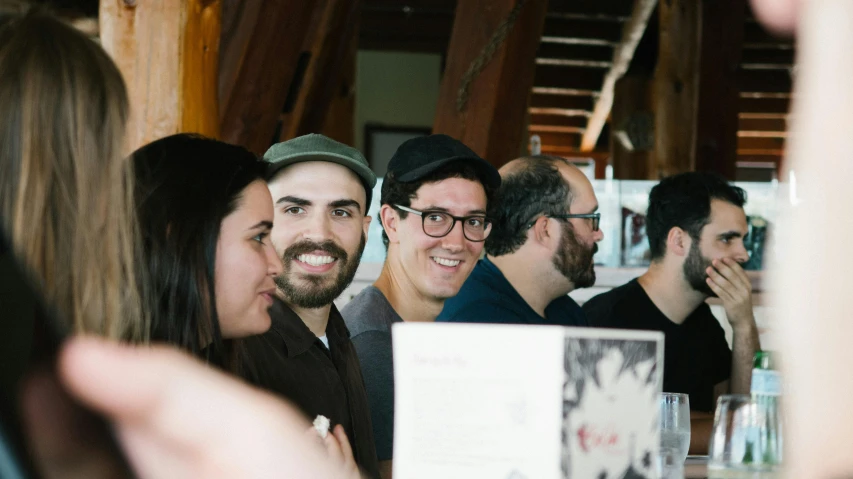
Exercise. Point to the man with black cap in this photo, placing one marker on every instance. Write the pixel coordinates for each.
(433, 212)
(321, 191)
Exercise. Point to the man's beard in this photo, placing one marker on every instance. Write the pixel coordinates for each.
(694, 270)
(574, 260)
(315, 294)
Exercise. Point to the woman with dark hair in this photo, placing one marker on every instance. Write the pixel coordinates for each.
(205, 214)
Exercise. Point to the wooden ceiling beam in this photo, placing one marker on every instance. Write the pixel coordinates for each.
(622, 55)
(767, 124)
(760, 143)
(330, 46)
(568, 77)
(558, 120)
(484, 96)
(764, 105)
(569, 27)
(601, 7)
(581, 52)
(561, 101)
(270, 60)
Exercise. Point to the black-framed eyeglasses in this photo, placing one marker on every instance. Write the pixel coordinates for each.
(438, 224)
(595, 217)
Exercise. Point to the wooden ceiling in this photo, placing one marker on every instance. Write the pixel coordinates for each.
(575, 53)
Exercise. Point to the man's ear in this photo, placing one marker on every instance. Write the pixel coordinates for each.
(542, 231)
(390, 222)
(678, 242)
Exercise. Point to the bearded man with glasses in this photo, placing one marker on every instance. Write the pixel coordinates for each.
(545, 235)
(433, 213)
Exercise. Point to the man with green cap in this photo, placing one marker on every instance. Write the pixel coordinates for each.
(321, 191)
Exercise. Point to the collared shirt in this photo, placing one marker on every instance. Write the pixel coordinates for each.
(291, 361)
(488, 297)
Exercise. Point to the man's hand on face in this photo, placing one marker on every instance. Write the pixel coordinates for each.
(729, 281)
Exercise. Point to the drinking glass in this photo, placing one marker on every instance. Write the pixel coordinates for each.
(746, 435)
(675, 426)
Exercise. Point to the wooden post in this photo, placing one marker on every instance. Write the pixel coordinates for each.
(485, 107)
(622, 55)
(719, 92)
(266, 67)
(339, 123)
(676, 87)
(331, 42)
(168, 54)
(696, 86)
(631, 125)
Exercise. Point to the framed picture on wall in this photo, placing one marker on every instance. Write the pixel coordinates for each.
(381, 141)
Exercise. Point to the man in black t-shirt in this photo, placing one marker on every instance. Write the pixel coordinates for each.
(696, 227)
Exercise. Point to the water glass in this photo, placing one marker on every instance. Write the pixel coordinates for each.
(675, 426)
(746, 435)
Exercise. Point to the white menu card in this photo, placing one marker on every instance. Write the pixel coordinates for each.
(525, 402)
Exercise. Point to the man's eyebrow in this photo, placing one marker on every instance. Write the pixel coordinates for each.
(293, 199)
(262, 225)
(343, 203)
(440, 209)
(730, 235)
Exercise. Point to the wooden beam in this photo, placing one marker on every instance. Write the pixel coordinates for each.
(554, 76)
(483, 98)
(601, 7)
(764, 105)
(622, 55)
(717, 108)
(676, 87)
(239, 19)
(331, 45)
(697, 80)
(267, 68)
(340, 120)
(413, 26)
(558, 120)
(168, 54)
(569, 102)
(765, 124)
(570, 27)
(578, 52)
(760, 143)
(632, 104)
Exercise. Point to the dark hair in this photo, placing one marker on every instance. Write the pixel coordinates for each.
(186, 185)
(536, 187)
(402, 193)
(684, 200)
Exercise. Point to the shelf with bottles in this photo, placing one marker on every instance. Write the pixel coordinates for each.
(624, 250)
(623, 205)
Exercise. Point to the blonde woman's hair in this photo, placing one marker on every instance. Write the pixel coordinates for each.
(66, 195)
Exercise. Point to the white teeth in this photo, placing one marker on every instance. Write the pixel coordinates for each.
(315, 260)
(446, 262)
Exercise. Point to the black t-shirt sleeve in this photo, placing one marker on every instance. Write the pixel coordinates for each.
(374, 355)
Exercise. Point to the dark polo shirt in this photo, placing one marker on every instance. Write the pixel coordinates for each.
(291, 361)
(488, 297)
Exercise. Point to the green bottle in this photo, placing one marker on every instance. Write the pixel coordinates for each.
(766, 389)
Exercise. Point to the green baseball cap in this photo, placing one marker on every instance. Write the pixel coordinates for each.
(314, 147)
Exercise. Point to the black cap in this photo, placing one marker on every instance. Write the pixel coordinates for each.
(420, 156)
